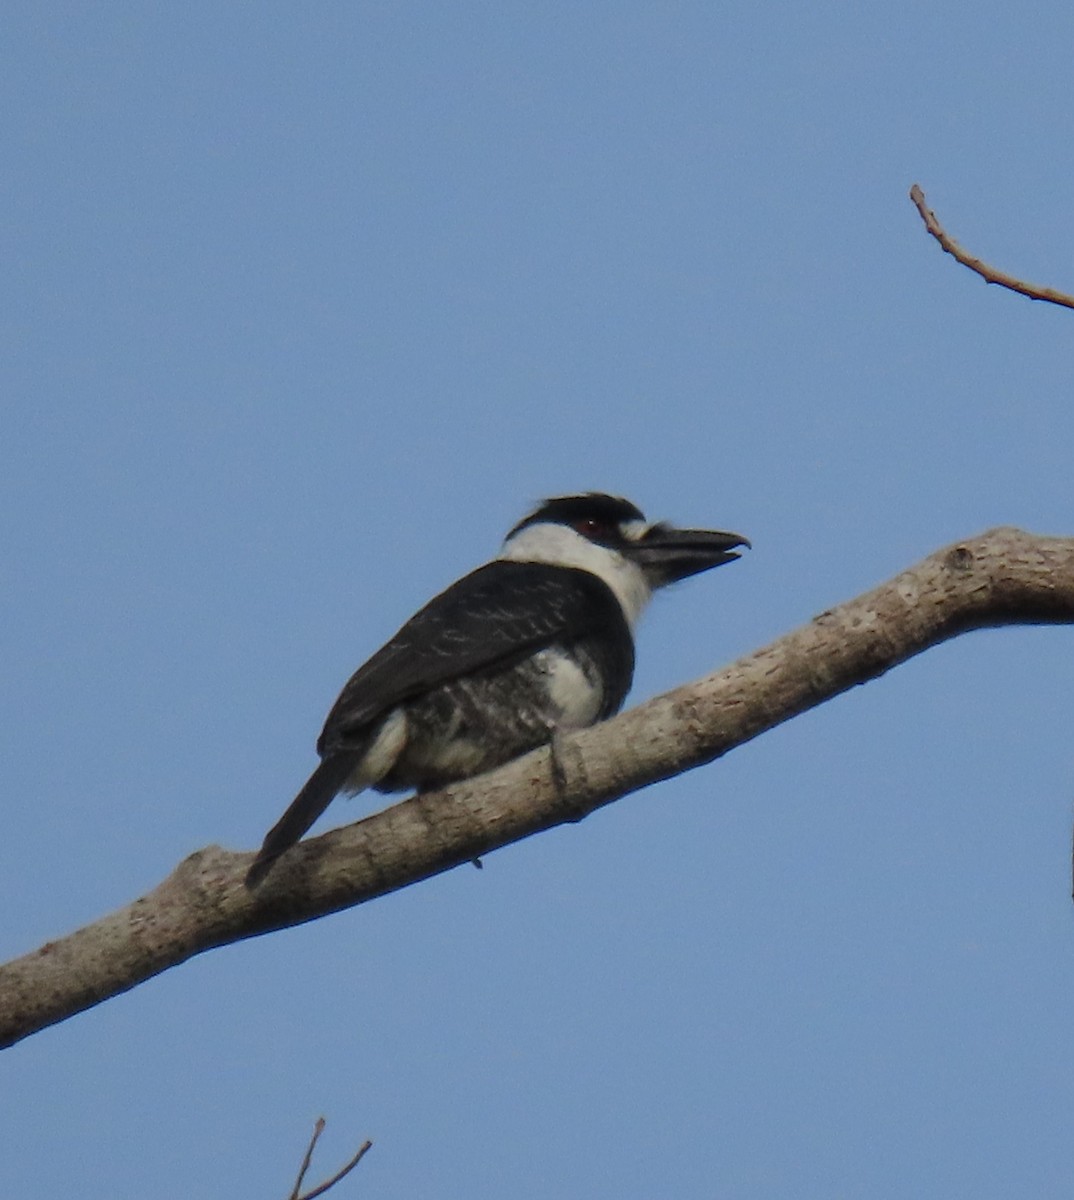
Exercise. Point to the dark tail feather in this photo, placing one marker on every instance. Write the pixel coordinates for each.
(318, 792)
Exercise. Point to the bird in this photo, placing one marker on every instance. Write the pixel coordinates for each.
(534, 644)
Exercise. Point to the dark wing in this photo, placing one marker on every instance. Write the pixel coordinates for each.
(498, 613)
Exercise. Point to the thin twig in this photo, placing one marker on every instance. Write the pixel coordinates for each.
(987, 273)
(318, 1129)
(346, 1170)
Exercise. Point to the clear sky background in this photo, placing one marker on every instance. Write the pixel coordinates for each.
(303, 308)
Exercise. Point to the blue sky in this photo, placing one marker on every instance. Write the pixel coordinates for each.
(303, 308)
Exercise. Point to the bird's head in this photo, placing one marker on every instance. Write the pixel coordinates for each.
(602, 533)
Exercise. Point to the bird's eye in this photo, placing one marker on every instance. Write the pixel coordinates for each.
(592, 527)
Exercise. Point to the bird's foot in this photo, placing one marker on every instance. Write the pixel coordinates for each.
(568, 770)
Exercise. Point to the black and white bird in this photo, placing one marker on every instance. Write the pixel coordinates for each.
(536, 642)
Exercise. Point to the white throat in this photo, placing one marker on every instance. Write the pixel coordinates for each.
(560, 546)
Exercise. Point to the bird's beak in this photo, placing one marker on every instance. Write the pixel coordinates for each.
(667, 554)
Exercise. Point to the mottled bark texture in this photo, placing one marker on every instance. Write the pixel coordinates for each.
(1003, 577)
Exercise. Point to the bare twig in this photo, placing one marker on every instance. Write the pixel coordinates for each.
(321, 1188)
(1003, 577)
(318, 1129)
(346, 1170)
(987, 273)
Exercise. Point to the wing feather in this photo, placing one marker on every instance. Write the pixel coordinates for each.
(502, 611)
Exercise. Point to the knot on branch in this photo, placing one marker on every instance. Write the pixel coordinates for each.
(960, 558)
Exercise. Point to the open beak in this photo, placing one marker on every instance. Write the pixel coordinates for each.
(667, 554)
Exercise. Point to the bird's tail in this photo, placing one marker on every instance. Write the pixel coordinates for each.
(318, 792)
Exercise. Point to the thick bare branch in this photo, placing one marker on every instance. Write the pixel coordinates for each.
(987, 273)
(1003, 577)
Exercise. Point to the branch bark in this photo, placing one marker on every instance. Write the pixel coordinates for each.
(1003, 577)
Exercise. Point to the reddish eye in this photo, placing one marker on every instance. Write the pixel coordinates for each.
(591, 527)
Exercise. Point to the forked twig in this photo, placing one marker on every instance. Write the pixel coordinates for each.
(296, 1191)
(987, 273)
